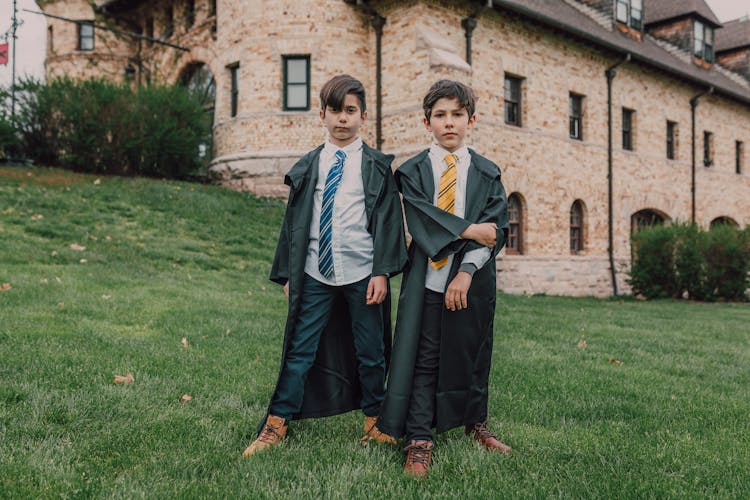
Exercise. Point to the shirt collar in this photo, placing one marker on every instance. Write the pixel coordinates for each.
(462, 153)
(330, 148)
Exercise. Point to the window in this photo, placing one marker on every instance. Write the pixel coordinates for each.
(671, 139)
(168, 22)
(234, 70)
(189, 13)
(627, 129)
(515, 221)
(212, 7)
(150, 29)
(708, 150)
(296, 83)
(723, 221)
(703, 41)
(630, 12)
(576, 116)
(645, 218)
(576, 227)
(50, 41)
(512, 100)
(85, 35)
(739, 156)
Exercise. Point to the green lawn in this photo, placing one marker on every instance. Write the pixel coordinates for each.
(165, 261)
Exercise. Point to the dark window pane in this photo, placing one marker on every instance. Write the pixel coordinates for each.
(85, 36)
(512, 91)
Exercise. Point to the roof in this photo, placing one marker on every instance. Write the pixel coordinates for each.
(733, 35)
(656, 11)
(564, 17)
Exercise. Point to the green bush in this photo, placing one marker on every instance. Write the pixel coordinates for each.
(727, 262)
(652, 272)
(101, 127)
(683, 260)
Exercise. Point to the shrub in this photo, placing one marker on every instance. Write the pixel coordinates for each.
(652, 272)
(101, 127)
(727, 262)
(670, 261)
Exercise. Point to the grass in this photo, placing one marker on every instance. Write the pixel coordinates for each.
(166, 260)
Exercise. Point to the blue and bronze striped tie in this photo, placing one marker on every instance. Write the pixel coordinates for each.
(325, 243)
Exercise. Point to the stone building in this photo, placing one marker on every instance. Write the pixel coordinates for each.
(605, 115)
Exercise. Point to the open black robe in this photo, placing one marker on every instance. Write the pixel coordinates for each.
(466, 340)
(332, 384)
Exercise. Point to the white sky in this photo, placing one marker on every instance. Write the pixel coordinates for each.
(32, 33)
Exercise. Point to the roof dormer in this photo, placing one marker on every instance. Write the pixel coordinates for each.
(629, 18)
(733, 46)
(688, 24)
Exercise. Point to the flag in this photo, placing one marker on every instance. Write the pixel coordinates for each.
(4, 53)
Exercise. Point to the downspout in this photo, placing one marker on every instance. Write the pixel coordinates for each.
(610, 73)
(693, 105)
(469, 24)
(377, 22)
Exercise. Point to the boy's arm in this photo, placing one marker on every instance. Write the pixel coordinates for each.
(280, 266)
(495, 212)
(436, 231)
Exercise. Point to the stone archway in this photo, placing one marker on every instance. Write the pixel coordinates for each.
(647, 217)
(198, 78)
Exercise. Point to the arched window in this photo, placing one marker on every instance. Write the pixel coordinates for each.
(515, 220)
(200, 81)
(576, 227)
(646, 218)
(724, 221)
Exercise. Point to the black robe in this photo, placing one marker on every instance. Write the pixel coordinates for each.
(332, 384)
(466, 340)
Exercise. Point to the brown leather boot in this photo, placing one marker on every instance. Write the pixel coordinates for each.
(372, 433)
(272, 434)
(480, 433)
(418, 458)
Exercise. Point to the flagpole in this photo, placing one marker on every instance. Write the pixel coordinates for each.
(13, 71)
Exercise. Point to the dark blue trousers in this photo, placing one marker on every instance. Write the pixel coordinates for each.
(367, 329)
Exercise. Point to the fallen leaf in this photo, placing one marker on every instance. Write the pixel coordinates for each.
(106, 297)
(97, 182)
(54, 253)
(44, 281)
(108, 238)
(83, 261)
(58, 279)
(37, 217)
(185, 397)
(5, 287)
(77, 247)
(615, 361)
(127, 379)
(229, 331)
(190, 277)
(61, 305)
(185, 343)
(582, 343)
(92, 237)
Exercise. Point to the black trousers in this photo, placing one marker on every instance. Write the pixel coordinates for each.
(424, 385)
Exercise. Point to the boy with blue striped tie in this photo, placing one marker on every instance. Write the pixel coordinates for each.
(341, 239)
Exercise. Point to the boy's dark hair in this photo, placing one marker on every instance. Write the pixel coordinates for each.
(336, 89)
(451, 90)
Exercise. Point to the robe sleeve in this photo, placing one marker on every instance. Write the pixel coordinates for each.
(495, 210)
(434, 230)
(389, 240)
(280, 267)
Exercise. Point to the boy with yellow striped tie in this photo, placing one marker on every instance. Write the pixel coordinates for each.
(342, 237)
(457, 213)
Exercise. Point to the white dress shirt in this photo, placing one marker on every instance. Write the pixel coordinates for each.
(351, 243)
(437, 279)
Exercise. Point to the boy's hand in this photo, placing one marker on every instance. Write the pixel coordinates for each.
(457, 292)
(484, 233)
(286, 289)
(377, 290)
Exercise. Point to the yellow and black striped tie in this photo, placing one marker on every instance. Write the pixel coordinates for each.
(447, 195)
